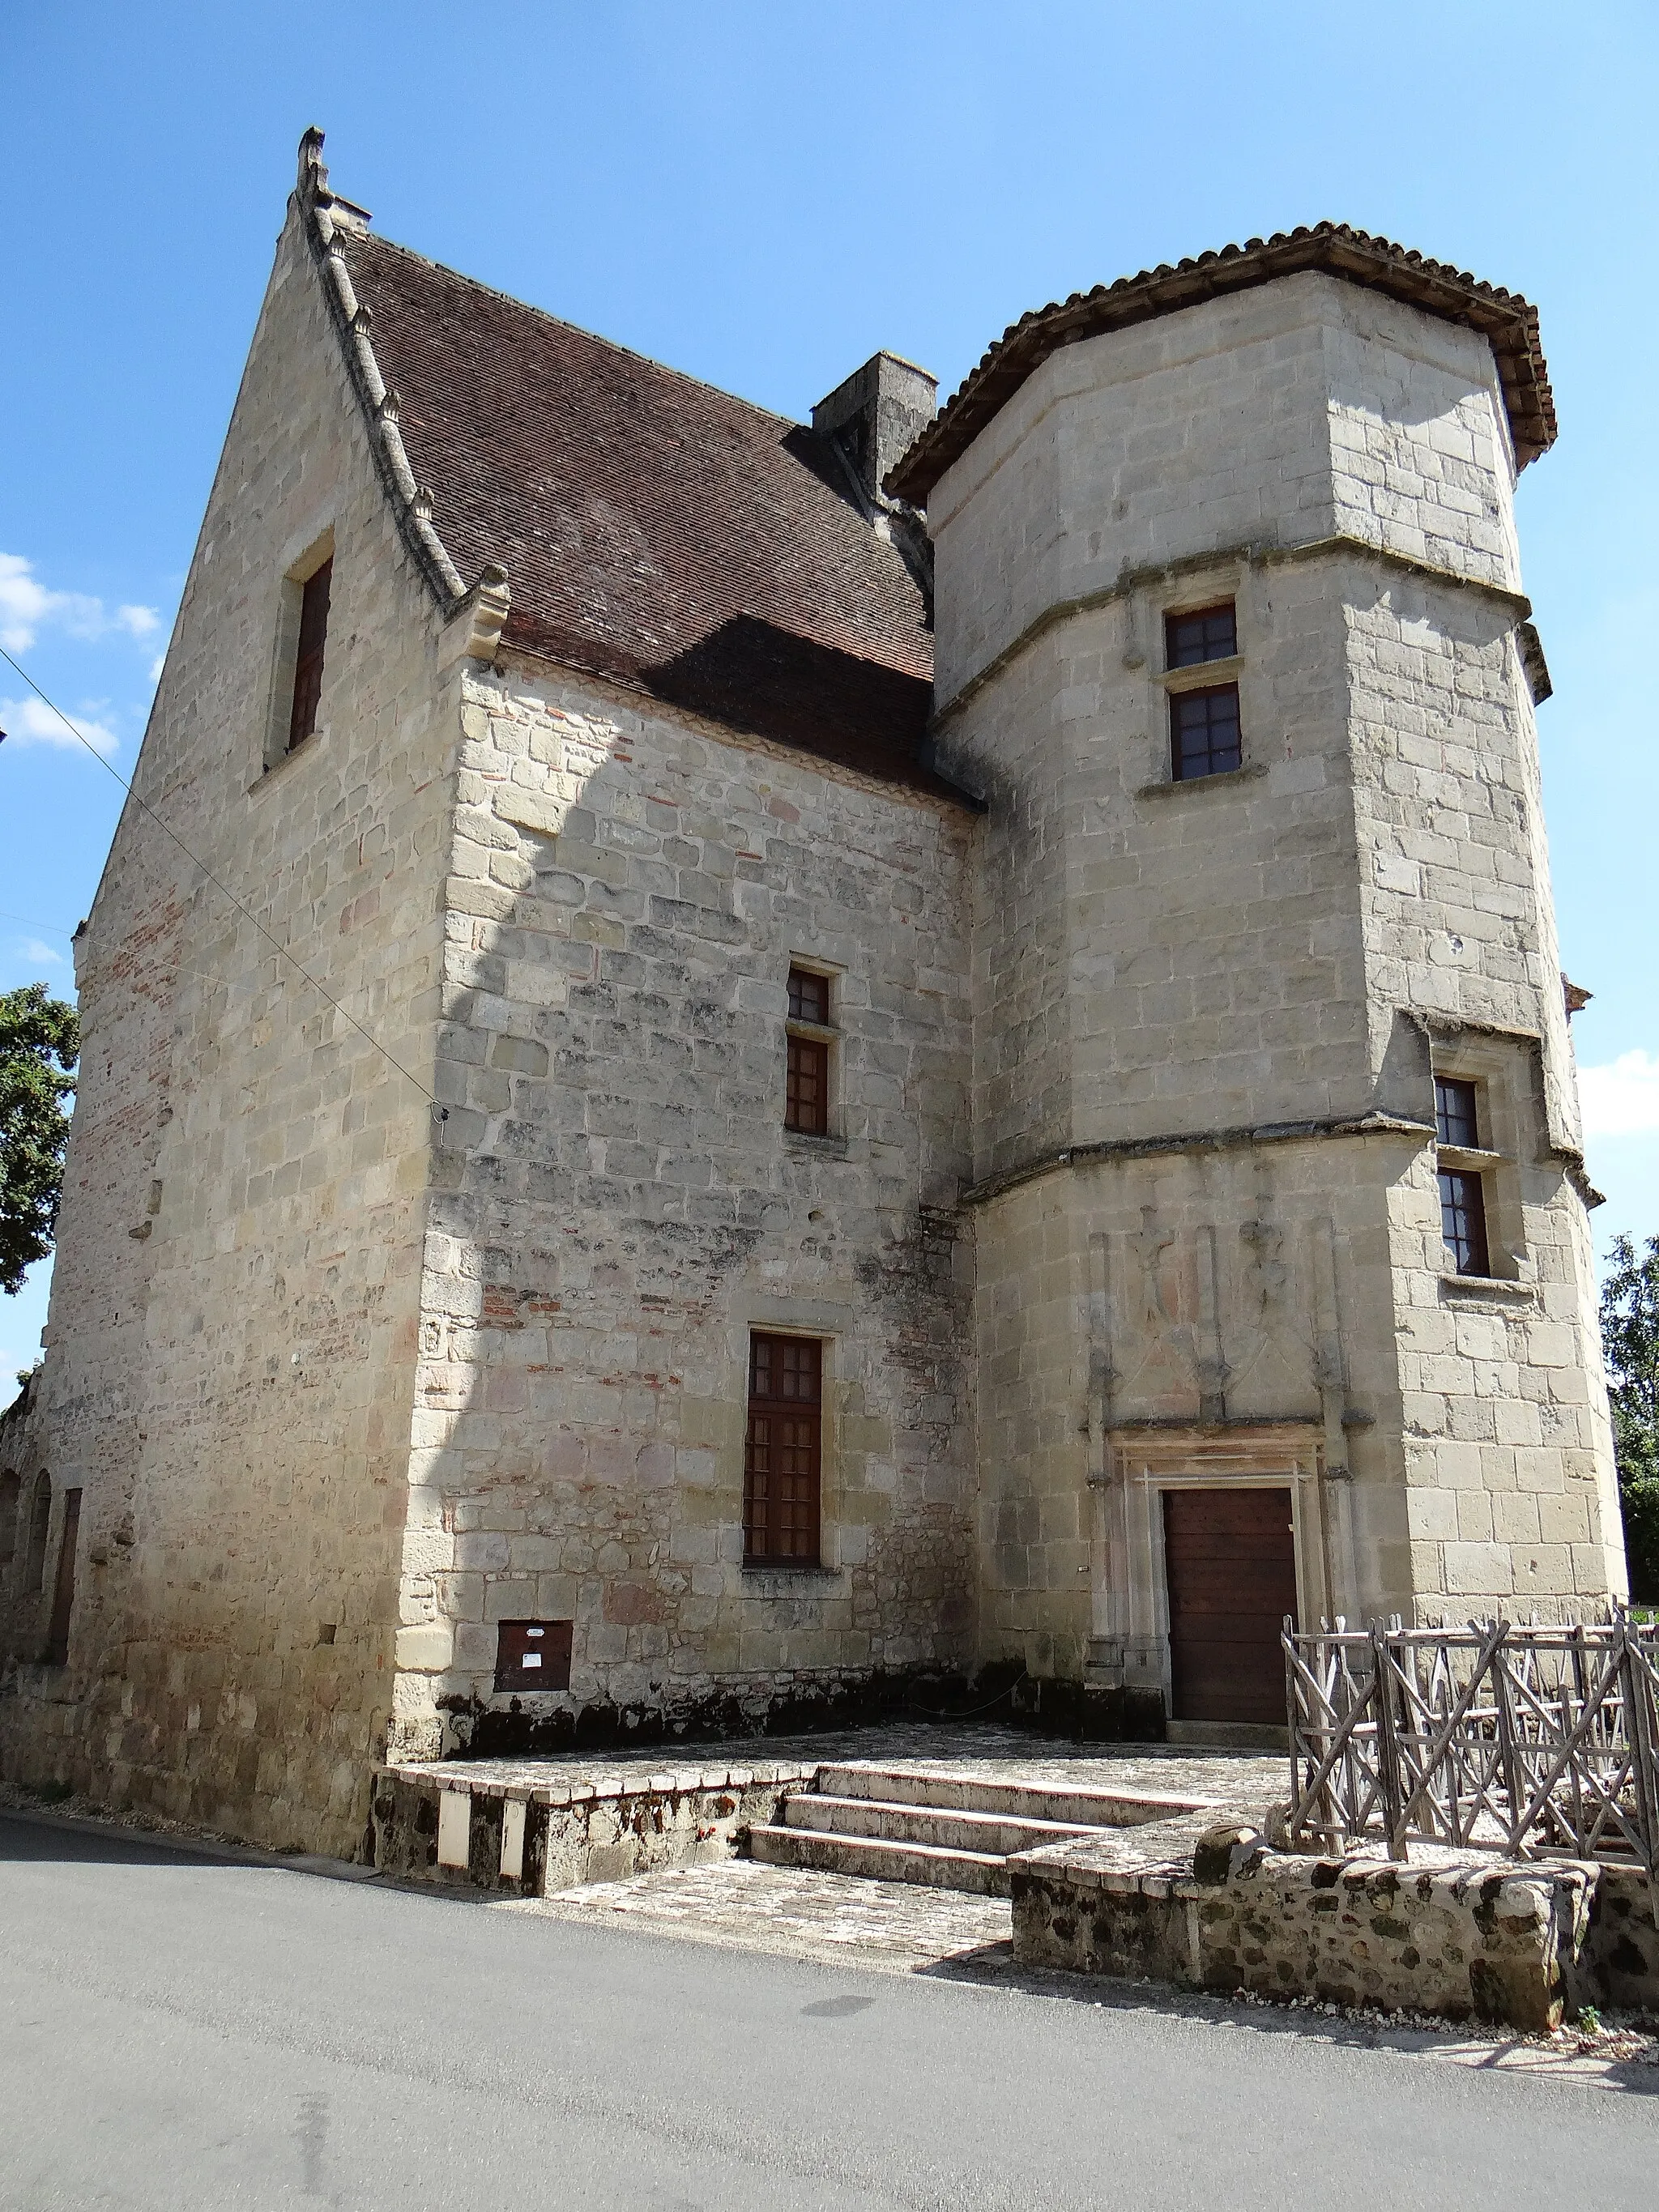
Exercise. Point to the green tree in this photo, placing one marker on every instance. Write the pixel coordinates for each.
(39, 1045)
(1630, 1340)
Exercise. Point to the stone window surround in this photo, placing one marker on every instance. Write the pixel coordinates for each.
(285, 647)
(788, 1572)
(1148, 613)
(829, 1327)
(1129, 1640)
(1488, 1063)
(830, 1033)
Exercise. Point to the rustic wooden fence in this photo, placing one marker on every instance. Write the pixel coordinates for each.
(1526, 1740)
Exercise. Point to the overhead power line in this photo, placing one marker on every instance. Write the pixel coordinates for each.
(51, 928)
(223, 889)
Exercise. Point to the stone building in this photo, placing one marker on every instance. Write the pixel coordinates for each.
(771, 1068)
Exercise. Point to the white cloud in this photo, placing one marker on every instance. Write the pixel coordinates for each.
(1622, 1098)
(157, 666)
(30, 721)
(33, 949)
(27, 608)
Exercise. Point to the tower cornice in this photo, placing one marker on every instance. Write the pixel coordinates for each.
(1507, 320)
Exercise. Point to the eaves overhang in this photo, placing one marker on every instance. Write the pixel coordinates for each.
(1505, 318)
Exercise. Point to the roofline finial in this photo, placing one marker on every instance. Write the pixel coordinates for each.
(313, 176)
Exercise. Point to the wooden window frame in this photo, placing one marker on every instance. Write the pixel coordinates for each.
(1456, 1113)
(1464, 1167)
(783, 1452)
(1216, 762)
(809, 1053)
(294, 701)
(1463, 1220)
(1199, 670)
(1173, 656)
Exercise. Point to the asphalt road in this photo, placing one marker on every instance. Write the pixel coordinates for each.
(180, 2033)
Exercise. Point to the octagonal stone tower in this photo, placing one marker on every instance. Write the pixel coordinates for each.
(1231, 634)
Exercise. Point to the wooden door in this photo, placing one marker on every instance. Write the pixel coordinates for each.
(1230, 1560)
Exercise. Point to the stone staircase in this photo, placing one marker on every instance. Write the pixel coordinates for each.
(949, 1830)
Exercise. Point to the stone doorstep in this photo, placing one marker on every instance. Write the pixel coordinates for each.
(951, 1828)
(960, 1790)
(904, 1821)
(982, 1874)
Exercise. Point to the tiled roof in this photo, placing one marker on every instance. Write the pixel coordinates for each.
(655, 530)
(1509, 321)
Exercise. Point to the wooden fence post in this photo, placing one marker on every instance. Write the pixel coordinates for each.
(1639, 1683)
(1503, 1698)
(1388, 1748)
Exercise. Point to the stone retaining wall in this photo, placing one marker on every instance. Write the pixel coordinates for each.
(1619, 1964)
(1488, 1940)
(588, 1830)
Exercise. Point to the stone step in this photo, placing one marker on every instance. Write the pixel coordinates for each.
(982, 1834)
(962, 1790)
(984, 1874)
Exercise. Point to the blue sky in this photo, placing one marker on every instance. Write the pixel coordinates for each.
(763, 196)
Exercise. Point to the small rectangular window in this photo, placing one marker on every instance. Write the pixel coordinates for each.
(783, 1451)
(1454, 1118)
(533, 1654)
(807, 1090)
(1463, 1220)
(1210, 633)
(809, 996)
(308, 664)
(1204, 735)
(806, 1104)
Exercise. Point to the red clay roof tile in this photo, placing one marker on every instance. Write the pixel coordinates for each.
(653, 530)
(1508, 320)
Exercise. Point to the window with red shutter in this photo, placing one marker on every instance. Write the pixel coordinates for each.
(783, 1452)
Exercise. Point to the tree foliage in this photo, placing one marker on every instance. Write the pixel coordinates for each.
(1630, 1340)
(39, 1045)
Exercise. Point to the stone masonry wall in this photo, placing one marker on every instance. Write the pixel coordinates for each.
(617, 1204)
(1281, 415)
(1304, 941)
(1509, 1451)
(1484, 1940)
(1161, 968)
(1114, 1297)
(232, 1334)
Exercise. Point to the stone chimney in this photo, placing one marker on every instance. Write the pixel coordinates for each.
(876, 417)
